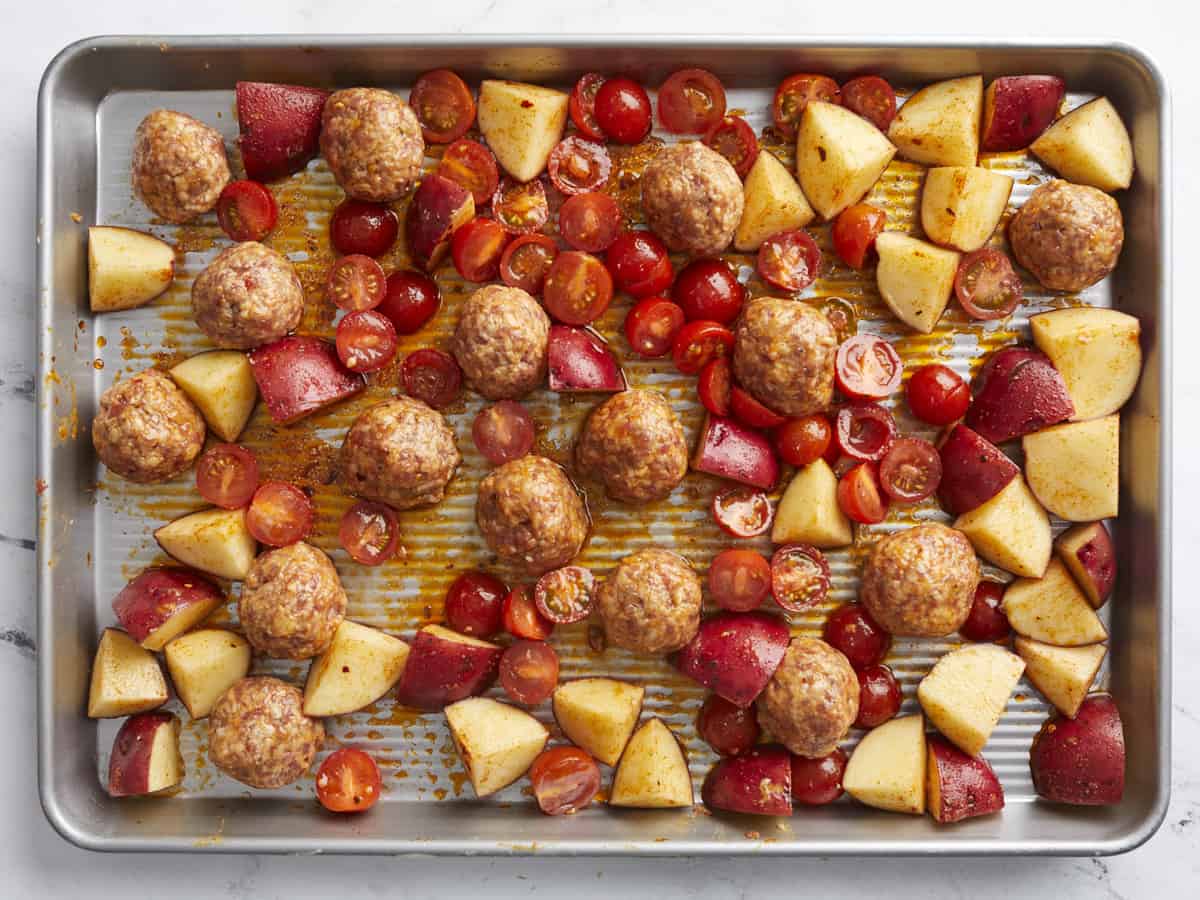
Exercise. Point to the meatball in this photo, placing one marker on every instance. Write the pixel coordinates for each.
(921, 582)
(292, 602)
(634, 444)
(258, 733)
(372, 141)
(812, 699)
(692, 198)
(247, 296)
(783, 354)
(530, 515)
(400, 452)
(179, 165)
(501, 342)
(147, 430)
(1068, 235)
(651, 603)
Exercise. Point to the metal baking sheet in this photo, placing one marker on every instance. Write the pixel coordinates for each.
(94, 529)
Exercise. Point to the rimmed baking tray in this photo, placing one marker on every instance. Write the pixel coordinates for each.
(94, 532)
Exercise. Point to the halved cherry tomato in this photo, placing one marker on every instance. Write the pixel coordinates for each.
(522, 618)
(370, 532)
(526, 261)
(279, 514)
(651, 326)
(246, 211)
(937, 394)
(583, 105)
(854, 233)
(860, 638)
(789, 260)
(410, 300)
(432, 376)
(227, 475)
(742, 512)
(818, 781)
(444, 106)
(728, 729)
(578, 288)
(477, 248)
(356, 282)
(911, 471)
(841, 316)
(864, 431)
(529, 671)
(522, 208)
(623, 110)
(698, 343)
(366, 341)
(577, 165)
(859, 496)
(709, 289)
(872, 98)
(564, 779)
(590, 222)
(357, 226)
(739, 580)
(565, 595)
(348, 781)
(734, 140)
(868, 368)
(691, 101)
(475, 604)
(804, 440)
(987, 620)
(795, 93)
(473, 166)
(503, 432)
(749, 411)
(799, 577)
(879, 696)
(639, 264)
(714, 386)
(986, 285)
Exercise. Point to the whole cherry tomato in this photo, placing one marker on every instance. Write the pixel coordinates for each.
(623, 110)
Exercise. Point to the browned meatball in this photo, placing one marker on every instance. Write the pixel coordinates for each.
(784, 354)
(292, 602)
(400, 452)
(179, 165)
(692, 198)
(1068, 235)
(372, 141)
(258, 733)
(530, 515)
(651, 603)
(812, 699)
(247, 296)
(501, 341)
(147, 430)
(921, 582)
(634, 444)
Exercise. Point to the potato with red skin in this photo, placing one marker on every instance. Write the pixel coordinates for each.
(279, 127)
(438, 209)
(1081, 761)
(757, 783)
(735, 654)
(1088, 552)
(974, 470)
(959, 786)
(577, 360)
(729, 449)
(444, 666)
(299, 375)
(145, 756)
(1018, 391)
(1017, 109)
(161, 604)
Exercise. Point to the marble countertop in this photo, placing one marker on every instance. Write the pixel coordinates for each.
(36, 862)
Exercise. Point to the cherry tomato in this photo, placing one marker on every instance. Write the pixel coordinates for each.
(859, 495)
(841, 316)
(366, 341)
(410, 300)
(751, 412)
(639, 264)
(564, 779)
(851, 630)
(795, 93)
(521, 616)
(529, 671)
(739, 580)
(816, 782)
(577, 165)
(583, 105)
(526, 261)
(522, 208)
(937, 394)
(652, 325)
(623, 110)
(804, 440)
(986, 285)
(590, 222)
(476, 249)
(878, 697)
(714, 386)
(432, 376)
(728, 729)
(864, 431)
(854, 233)
(357, 226)
(709, 289)
(473, 166)
(503, 432)
(356, 282)
(565, 595)
(246, 211)
(799, 577)
(370, 533)
(911, 471)
(691, 101)
(475, 604)
(734, 140)
(868, 368)
(789, 260)
(578, 288)
(348, 781)
(279, 514)
(698, 343)
(742, 512)
(444, 106)
(227, 475)
(987, 621)
(872, 98)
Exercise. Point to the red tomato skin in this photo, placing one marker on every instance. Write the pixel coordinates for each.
(590, 221)
(363, 514)
(854, 232)
(728, 729)
(879, 696)
(715, 385)
(529, 672)
(699, 342)
(473, 166)
(676, 109)
(709, 289)
(652, 325)
(802, 441)
(432, 376)
(860, 496)
(745, 586)
(868, 368)
(851, 630)
(909, 456)
(358, 226)
(522, 618)
(987, 622)
(275, 498)
(816, 782)
(937, 394)
(445, 88)
(411, 299)
(475, 604)
(348, 781)
(227, 475)
(749, 411)
(623, 110)
(503, 432)
(794, 93)
(736, 141)
(639, 264)
(789, 260)
(872, 98)
(564, 779)
(477, 248)
(246, 211)
(582, 105)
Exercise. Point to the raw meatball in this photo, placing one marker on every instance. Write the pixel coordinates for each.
(179, 165)
(921, 582)
(692, 198)
(292, 602)
(400, 452)
(651, 603)
(248, 296)
(258, 734)
(634, 444)
(784, 355)
(147, 430)
(530, 515)
(501, 342)
(1068, 235)
(812, 699)
(372, 141)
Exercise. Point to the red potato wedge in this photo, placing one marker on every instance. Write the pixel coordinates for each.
(444, 666)
(974, 470)
(1018, 391)
(1081, 761)
(579, 360)
(729, 449)
(280, 127)
(298, 375)
(126, 678)
(1017, 109)
(161, 604)
(959, 786)
(438, 209)
(145, 756)
(758, 783)
(735, 654)
(1088, 553)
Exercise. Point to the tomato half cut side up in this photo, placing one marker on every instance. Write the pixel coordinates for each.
(477, 248)
(503, 432)
(279, 514)
(432, 376)
(564, 780)
(366, 341)
(623, 110)
(522, 618)
(590, 221)
(529, 671)
(639, 264)
(652, 325)
(715, 385)
(348, 781)
(986, 285)
(749, 411)
(526, 261)
(854, 232)
(471, 165)
(799, 577)
(410, 300)
(911, 471)
(742, 512)
(565, 595)
(356, 282)
(578, 288)
(582, 105)
(444, 106)
(357, 226)
(864, 431)
(802, 441)
(735, 140)
(522, 208)
(691, 101)
(789, 260)
(937, 394)
(860, 497)
(577, 165)
(739, 580)
(872, 98)
(370, 533)
(227, 475)
(698, 343)
(246, 211)
(868, 368)
(795, 93)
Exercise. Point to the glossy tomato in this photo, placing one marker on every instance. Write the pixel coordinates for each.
(477, 248)
(227, 475)
(410, 299)
(872, 98)
(577, 165)
(851, 630)
(804, 440)
(582, 105)
(357, 226)
(565, 595)
(715, 385)
(623, 110)
(864, 431)
(854, 233)
(370, 533)
(503, 432)
(356, 282)
(279, 514)
(868, 368)
(366, 341)
(652, 325)
(789, 260)
(639, 264)
(735, 140)
(709, 289)
(246, 211)
(564, 780)
(739, 580)
(522, 208)
(471, 165)
(475, 604)
(818, 781)
(749, 411)
(529, 671)
(578, 288)
(799, 577)
(526, 261)
(698, 343)
(348, 781)
(859, 495)
(444, 106)
(911, 470)
(986, 285)
(691, 101)
(432, 376)
(742, 512)
(878, 698)
(937, 394)
(522, 618)
(590, 221)
(987, 620)
(795, 93)
(728, 729)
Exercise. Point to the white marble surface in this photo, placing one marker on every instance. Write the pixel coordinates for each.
(34, 861)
